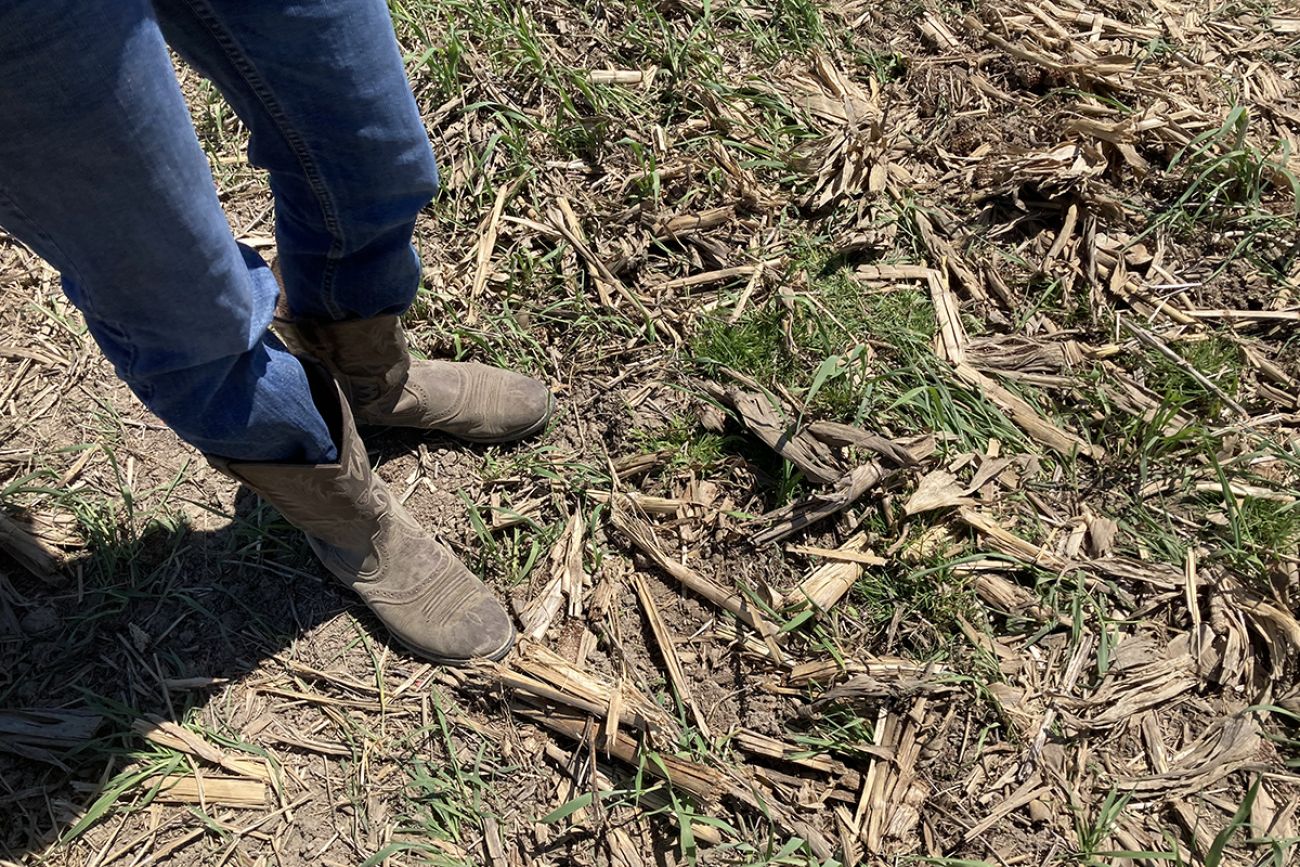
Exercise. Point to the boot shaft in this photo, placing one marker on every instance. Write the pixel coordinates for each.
(368, 357)
(340, 503)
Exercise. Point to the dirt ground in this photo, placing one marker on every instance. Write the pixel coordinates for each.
(922, 488)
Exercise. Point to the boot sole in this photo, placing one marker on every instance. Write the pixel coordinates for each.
(534, 428)
(457, 662)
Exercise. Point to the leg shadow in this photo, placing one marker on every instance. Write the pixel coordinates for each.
(137, 630)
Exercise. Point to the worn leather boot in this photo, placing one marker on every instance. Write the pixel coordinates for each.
(386, 386)
(366, 538)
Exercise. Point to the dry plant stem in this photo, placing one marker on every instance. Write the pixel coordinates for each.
(535, 670)
(34, 554)
(841, 554)
(598, 266)
(796, 517)
(486, 246)
(1181, 363)
(828, 583)
(668, 649)
(1049, 434)
(640, 534)
(173, 736)
(645, 503)
(699, 781)
(769, 423)
(842, 435)
(227, 791)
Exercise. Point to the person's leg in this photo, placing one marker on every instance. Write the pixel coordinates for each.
(101, 174)
(321, 87)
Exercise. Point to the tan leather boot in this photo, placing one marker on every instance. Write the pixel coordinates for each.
(366, 538)
(386, 386)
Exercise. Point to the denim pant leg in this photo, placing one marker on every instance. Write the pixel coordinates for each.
(101, 174)
(321, 87)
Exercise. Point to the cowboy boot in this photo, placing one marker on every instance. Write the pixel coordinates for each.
(386, 386)
(366, 538)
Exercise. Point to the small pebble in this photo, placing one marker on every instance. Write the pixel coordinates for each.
(39, 621)
(1039, 812)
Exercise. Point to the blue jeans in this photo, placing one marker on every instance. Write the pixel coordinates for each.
(101, 174)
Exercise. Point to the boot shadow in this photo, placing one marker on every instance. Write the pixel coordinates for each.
(387, 443)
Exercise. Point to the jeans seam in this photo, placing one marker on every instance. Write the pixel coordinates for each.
(68, 268)
(143, 390)
(9, 202)
(208, 17)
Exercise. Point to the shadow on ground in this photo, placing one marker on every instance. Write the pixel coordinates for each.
(149, 626)
(171, 623)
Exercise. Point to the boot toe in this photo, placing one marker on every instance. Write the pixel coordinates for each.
(483, 632)
(476, 402)
(529, 404)
(496, 633)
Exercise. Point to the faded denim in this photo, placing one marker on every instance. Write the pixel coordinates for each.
(102, 174)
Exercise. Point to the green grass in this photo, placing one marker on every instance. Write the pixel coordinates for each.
(928, 597)
(851, 354)
(690, 446)
(1218, 357)
(1234, 189)
(508, 557)
(449, 796)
